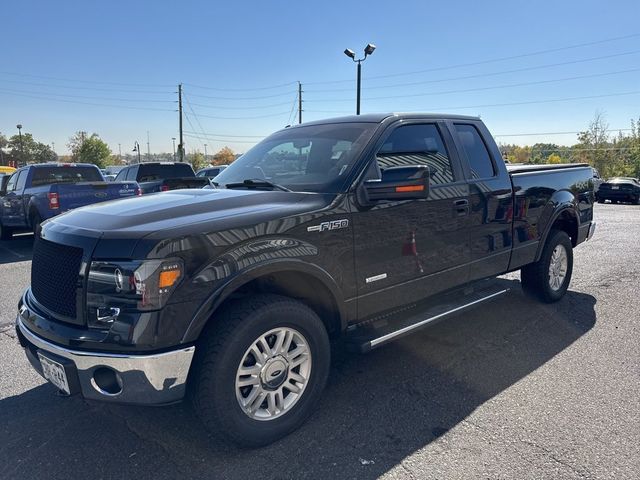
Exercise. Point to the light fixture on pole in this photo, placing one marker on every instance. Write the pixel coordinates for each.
(136, 148)
(368, 50)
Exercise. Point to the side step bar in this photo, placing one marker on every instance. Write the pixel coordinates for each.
(376, 334)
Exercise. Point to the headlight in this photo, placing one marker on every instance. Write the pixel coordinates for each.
(137, 285)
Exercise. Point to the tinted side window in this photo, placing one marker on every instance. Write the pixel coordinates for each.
(131, 173)
(477, 153)
(22, 179)
(121, 175)
(417, 145)
(11, 185)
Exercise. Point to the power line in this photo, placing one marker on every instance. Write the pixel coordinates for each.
(75, 80)
(245, 118)
(530, 134)
(478, 89)
(271, 87)
(483, 62)
(481, 75)
(96, 89)
(39, 97)
(222, 140)
(241, 98)
(232, 136)
(219, 107)
(196, 117)
(90, 97)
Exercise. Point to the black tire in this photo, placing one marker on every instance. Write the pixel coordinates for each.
(535, 277)
(6, 233)
(637, 202)
(35, 220)
(601, 200)
(224, 345)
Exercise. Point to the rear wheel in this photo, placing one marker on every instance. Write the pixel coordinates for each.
(260, 370)
(601, 200)
(548, 278)
(6, 233)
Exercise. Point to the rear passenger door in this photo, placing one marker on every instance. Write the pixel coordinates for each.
(406, 250)
(490, 199)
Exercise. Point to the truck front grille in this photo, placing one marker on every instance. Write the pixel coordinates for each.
(54, 276)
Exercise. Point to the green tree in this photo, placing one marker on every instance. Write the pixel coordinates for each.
(197, 161)
(554, 158)
(89, 149)
(224, 157)
(30, 151)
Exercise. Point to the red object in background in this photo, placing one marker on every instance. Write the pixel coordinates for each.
(409, 248)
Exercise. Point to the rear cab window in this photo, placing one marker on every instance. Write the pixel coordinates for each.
(64, 174)
(480, 163)
(151, 173)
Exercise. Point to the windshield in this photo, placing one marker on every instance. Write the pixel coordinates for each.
(315, 158)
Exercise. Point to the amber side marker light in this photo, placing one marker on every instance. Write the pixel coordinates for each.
(168, 278)
(411, 188)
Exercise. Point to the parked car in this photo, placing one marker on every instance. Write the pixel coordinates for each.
(37, 192)
(6, 170)
(597, 181)
(620, 189)
(162, 176)
(236, 292)
(211, 172)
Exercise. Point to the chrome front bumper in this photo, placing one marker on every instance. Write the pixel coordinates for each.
(141, 379)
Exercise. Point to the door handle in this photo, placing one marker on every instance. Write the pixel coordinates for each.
(461, 207)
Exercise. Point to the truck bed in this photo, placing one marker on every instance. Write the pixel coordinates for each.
(528, 168)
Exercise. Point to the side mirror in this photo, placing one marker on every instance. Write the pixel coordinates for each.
(400, 183)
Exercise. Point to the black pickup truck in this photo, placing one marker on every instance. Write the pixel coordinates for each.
(161, 176)
(361, 229)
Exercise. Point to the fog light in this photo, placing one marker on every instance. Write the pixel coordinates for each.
(106, 381)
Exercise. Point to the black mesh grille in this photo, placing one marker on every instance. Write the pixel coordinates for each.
(54, 275)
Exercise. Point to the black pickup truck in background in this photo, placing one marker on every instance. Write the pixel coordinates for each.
(161, 176)
(362, 228)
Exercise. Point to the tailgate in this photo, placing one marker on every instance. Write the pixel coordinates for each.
(74, 195)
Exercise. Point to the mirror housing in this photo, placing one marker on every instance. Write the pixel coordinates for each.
(410, 182)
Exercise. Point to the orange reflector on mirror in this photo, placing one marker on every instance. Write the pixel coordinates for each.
(168, 278)
(410, 188)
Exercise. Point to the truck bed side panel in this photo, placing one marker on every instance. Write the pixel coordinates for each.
(540, 196)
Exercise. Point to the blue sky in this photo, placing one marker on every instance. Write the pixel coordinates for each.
(74, 65)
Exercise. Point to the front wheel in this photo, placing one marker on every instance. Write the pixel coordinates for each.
(36, 220)
(260, 369)
(548, 278)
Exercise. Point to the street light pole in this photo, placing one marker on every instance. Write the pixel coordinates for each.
(136, 148)
(205, 153)
(174, 148)
(19, 127)
(368, 50)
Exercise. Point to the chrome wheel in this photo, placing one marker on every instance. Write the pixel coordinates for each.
(558, 267)
(273, 373)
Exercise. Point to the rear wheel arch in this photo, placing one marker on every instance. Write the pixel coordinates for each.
(566, 220)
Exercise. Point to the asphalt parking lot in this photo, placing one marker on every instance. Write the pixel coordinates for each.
(515, 390)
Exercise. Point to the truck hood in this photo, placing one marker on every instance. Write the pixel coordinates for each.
(185, 212)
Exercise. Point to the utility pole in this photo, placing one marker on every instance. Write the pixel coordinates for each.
(173, 139)
(299, 102)
(120, 153)
(148, 148)
(205, 153)
(180, 144)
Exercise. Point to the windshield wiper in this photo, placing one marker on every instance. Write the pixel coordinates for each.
(251, 183)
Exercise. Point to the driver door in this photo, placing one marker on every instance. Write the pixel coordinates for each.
(407, 250)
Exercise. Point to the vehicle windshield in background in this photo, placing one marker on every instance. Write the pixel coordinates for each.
(151, 173)
(70, 174)
(314, 158)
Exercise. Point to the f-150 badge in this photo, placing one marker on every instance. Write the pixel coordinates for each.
(326, 226)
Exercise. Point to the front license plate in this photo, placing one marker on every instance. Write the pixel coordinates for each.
(54, 372)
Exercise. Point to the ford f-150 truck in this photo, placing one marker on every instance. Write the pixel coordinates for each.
(362, 228)
(37, 192)
(162, 176)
